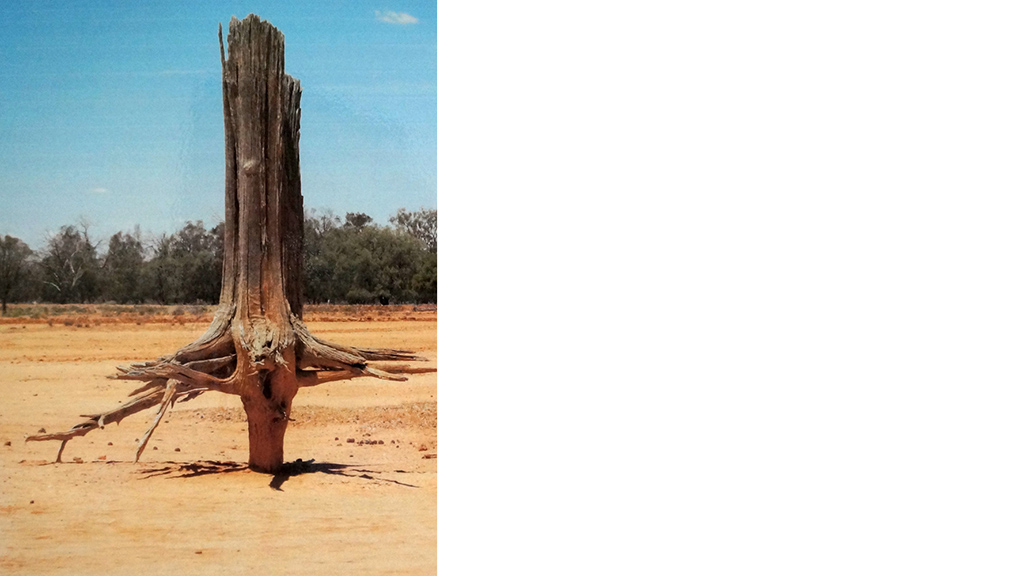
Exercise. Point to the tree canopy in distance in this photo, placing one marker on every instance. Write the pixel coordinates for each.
(13, 256)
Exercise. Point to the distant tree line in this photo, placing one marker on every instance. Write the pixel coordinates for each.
(350, 260)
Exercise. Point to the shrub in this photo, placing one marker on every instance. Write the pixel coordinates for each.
(359, 296)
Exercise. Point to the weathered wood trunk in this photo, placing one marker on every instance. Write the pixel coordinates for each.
(263, 229)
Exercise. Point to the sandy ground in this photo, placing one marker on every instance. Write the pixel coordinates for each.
(189, 506)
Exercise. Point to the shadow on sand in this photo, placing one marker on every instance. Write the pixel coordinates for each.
(296, 468)
(191, 469)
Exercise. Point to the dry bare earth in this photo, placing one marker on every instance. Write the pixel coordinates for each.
(190, 506)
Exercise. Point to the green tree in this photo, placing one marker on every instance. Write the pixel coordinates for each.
(14, 256)
(194, 252)
(70, 266)
(160, 281)
(357, 220)
(185, 266)
(371, 264)
(360, 262)
(122, 268)
(424, 281)
(316, 269)
(421, 224)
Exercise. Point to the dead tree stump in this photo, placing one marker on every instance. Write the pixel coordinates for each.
(257, 346)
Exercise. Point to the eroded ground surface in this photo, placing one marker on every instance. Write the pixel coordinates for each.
(365, 504)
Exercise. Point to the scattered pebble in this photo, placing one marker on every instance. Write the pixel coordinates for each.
(155, 448)
(335, 438)
(78, 460)
(110, 443)
(177, 449)
(429, 456)
(8, 443)
(31, 501)
(350, 440)
(42, 431)
(102, 458)
(199, 551)
(423, 448)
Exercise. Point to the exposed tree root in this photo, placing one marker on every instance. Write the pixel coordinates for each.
(215, 342)
(165, 403)
(183, 374)
(315, 352)
(407, 369)
(211, 363)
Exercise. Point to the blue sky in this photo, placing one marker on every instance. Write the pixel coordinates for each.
(111, 111)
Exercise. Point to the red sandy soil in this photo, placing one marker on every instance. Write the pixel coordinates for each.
(190, 506)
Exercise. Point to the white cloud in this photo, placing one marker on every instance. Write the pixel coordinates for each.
(392, 17)
(99, 191)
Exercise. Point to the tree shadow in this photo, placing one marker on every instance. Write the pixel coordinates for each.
(311, 466)
(289, 469)
(192, 469)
